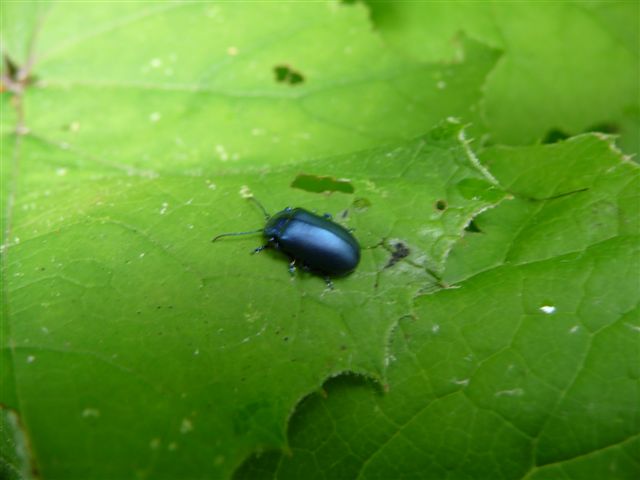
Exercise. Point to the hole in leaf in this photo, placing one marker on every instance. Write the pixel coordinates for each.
(441, 205)
(555, 135)
(400, 251)
(473, 227)
(318, 184)
(286, 74)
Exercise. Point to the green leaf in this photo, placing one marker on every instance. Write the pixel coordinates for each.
(133, 347)
(528, 366)
(569, 67)
(212, 100)
(129, 330)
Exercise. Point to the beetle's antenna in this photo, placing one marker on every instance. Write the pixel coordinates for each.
(266, 215)
(233, 234)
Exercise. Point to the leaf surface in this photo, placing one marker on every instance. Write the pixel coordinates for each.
(527, 367)
(568, 67)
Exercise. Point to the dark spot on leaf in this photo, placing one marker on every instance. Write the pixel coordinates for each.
(286, 339)
(473, 227)
(605, 127)
(441, 205)
(555, 135)
(400, 251)
(286, 74)
(13, 78)
(11, 68)
(319, 184)
(344, 214)
(295, 78)
(361, 204)
(281, 73)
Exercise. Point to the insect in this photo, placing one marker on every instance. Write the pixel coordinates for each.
(315, 242)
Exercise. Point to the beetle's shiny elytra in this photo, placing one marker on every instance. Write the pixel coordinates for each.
(317, 242)
(314, 241)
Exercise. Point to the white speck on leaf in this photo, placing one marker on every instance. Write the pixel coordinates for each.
(74, 126)
(548, 309)
(154, 443)
(154, 117)
(464, 382)
(61, 172)
(163, 210)
(574, 329)
(222, 153)
(435, 328)
(90, 412)
(441, 84)
(30, 359)
(155, 63)
(141, 255)
(245, 192)
(186, 426)
(257, 131)
(635, 328)
(232, 51)
(196, 351)
(516, 392)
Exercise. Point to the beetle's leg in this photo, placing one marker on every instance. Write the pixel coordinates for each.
(271, 243)
(328, 216)
(260, 248)
(329, 283)
(292, 267)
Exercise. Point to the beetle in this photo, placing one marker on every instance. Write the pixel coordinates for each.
(315, 242)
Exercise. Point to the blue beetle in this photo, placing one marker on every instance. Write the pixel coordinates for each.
(317, 243)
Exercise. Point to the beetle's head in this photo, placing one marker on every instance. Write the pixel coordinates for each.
(277, 223)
